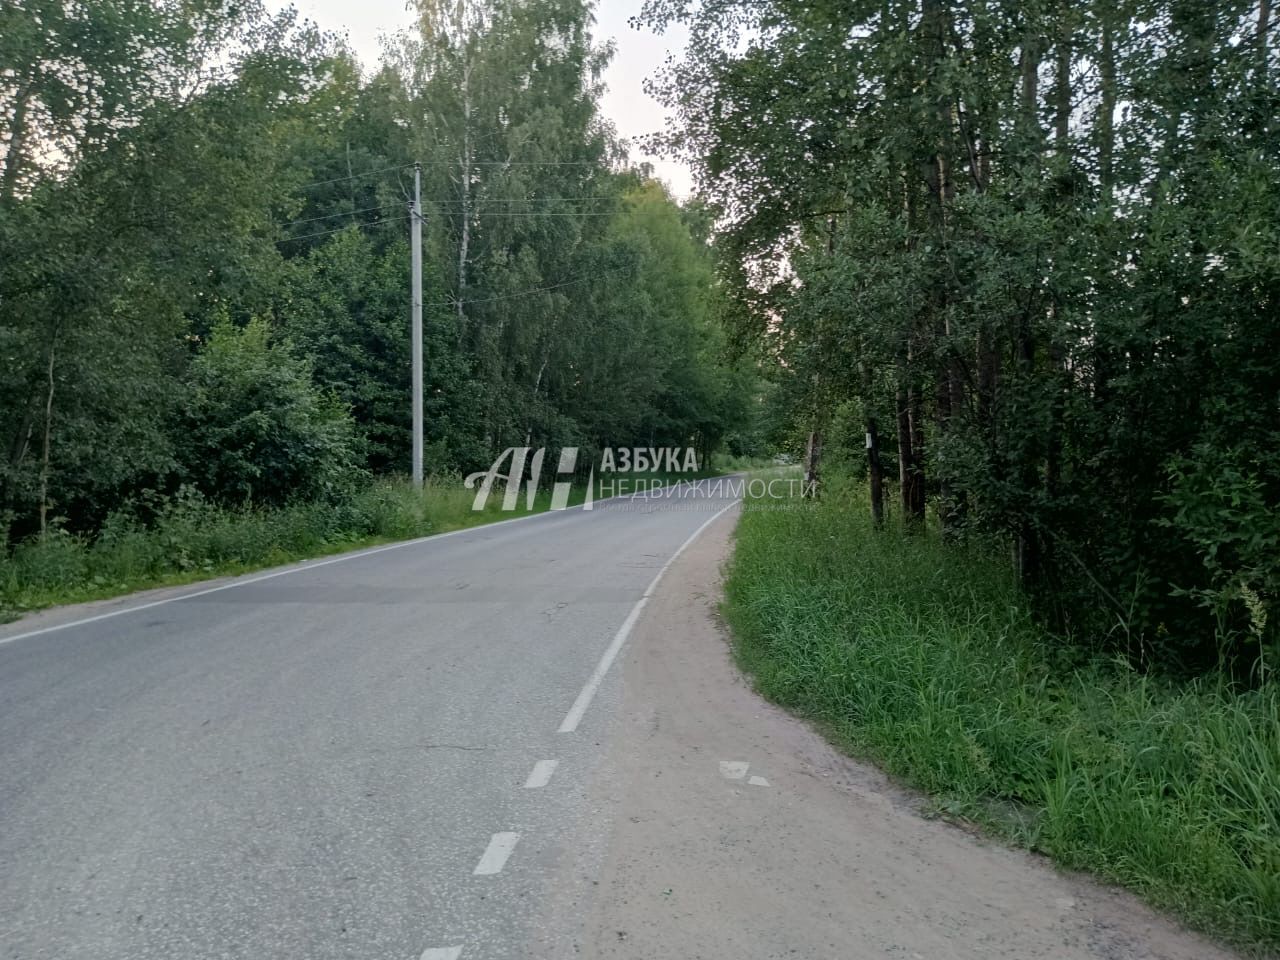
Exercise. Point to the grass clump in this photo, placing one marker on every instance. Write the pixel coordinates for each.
(177, 539)
(926, 660)
(186, 537)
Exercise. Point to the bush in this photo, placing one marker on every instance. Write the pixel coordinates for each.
(189, 536)
(256, 429)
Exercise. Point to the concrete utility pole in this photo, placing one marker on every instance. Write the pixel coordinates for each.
(415, 220)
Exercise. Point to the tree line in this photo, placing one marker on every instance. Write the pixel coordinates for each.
(204, 283)
(1021, 259)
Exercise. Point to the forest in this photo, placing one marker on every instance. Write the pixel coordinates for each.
(1020, 265)
(205, 278)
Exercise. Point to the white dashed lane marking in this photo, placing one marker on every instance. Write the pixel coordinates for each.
(574, 716)
(495, 855)
(441, 953)
(540, 776)
(737, 770)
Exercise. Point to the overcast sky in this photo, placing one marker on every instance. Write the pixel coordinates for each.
(638, 55)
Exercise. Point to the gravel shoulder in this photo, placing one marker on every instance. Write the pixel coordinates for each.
(737, 831)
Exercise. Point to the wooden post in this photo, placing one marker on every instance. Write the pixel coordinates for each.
(875, 472)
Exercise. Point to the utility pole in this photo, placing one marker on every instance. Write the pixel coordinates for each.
(415, 220)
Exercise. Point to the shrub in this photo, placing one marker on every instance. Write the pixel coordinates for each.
(256, 429)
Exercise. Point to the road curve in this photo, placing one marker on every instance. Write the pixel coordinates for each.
(384, 755)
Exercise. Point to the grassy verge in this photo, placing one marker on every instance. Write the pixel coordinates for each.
(925, 660)
(187, 538)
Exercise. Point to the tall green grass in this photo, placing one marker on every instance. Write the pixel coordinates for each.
(925, 659)
(188, 538)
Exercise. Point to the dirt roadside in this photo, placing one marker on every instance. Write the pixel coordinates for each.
(817, 856)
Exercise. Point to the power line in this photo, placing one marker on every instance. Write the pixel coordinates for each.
(346, 226)
(505, 215)
(477, 201)
(525, 293)
(354, 176)
(521, 163)
(539, 213)
(473, 163)
(345, 213)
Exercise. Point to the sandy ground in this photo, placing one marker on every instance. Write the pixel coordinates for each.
(739, 833)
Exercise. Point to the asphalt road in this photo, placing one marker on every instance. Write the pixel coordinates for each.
(386, 755)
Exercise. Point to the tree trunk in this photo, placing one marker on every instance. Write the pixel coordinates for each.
(22, 439)
(813, 462)
(464, 237)
(1026, 553)
(905, 470)
(1029, 68)
(16, 145)
(537, 385)
(910, 449)
(1107, 113)
(1103, 363)
(988, 385)
(48, 434)
(915, 411)
(17, 454)
(1062, 91)
(1263, 34)
(1027, 549)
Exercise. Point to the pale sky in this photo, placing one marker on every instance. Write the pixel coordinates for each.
(638, 54)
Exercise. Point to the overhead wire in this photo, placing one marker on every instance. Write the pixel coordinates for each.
(525, 293)
(344, 213)
(457, 202)
(354, 176)
(344, 227)
(517, 163)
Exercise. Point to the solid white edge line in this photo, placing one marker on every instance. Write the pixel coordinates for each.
(302, 568)
(495, 855)
(541, 773)
(588, 692)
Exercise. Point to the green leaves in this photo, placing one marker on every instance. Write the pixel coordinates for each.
(255, 428)
(206, 245)
(1033, 242)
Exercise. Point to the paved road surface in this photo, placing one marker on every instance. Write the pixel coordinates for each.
(330, 763)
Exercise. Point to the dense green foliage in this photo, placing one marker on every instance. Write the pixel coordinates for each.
(204, 258)
(1034, 246)
(923, 657)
